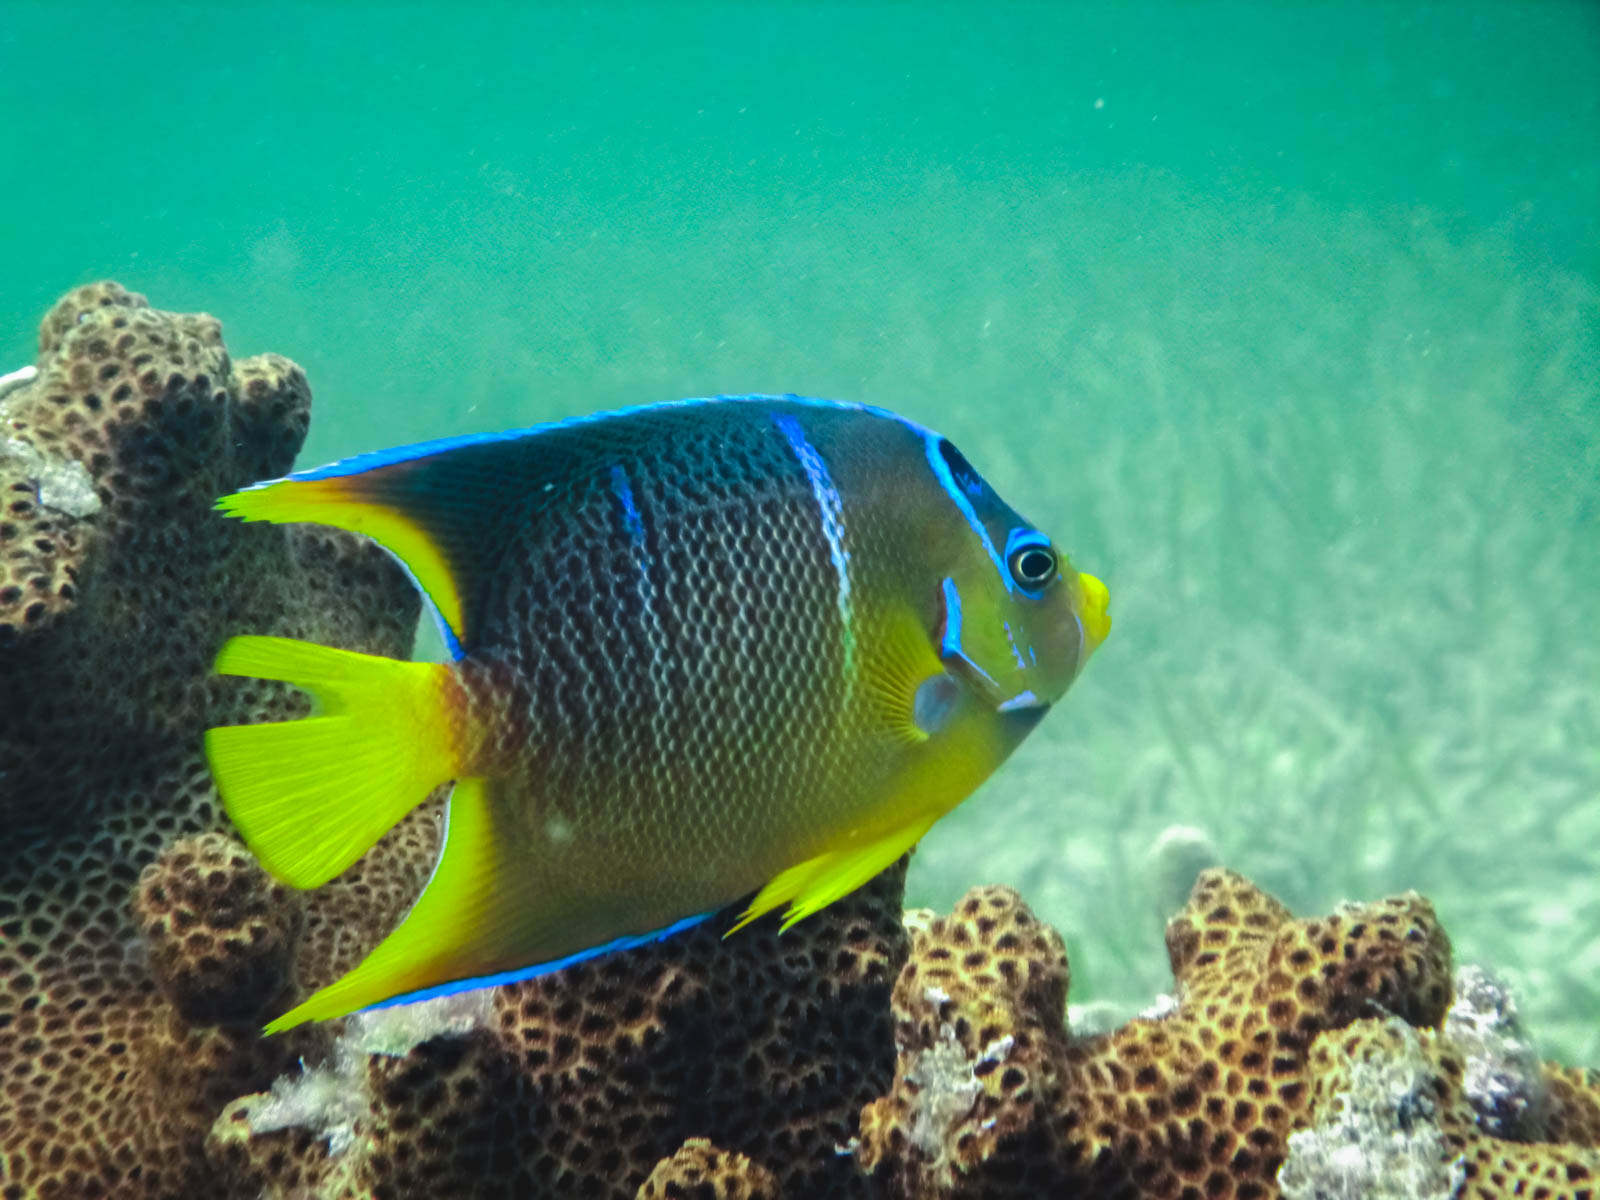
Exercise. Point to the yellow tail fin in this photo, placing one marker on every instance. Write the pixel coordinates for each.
(312, 796)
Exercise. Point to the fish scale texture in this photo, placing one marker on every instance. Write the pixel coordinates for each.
(117, 586)
(664, 645)
(678, 657)
(993, 1096)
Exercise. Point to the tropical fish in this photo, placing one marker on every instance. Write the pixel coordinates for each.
(700, 649)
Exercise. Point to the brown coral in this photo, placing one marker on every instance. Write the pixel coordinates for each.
(1196, 1101)
(117, 585)
(993, 1097)
(1442, 1129)
(1572, 1106)
(577, 1083)
(221, 932)
(699, 1171)
(140, 945)
(250, 1159)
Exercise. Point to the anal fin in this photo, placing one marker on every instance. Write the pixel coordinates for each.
(488, 916)
(465, 923)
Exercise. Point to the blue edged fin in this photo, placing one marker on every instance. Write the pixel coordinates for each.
(544, 968)
(463, 923)
(495, 910)
(446, 514)
(450, 508)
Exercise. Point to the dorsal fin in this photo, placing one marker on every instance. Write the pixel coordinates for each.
(440, 511)
(448, 509)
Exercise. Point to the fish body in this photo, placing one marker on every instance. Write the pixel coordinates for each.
(701, 649)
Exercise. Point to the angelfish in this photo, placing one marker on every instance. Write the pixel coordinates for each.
(700, 649)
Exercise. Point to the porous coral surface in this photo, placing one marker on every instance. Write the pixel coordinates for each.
(994, 1097)
(1382, 1089)
(699, 1171)
(577, 1083)
(118, 583)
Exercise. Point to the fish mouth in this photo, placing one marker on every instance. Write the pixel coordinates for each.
(1094, 616)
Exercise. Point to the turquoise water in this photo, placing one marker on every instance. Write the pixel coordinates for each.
(1284, 318)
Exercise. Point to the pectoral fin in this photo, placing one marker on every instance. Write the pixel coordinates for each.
(894, 668)
(811, 886)
(941, 770)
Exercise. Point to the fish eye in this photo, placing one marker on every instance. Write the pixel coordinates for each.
(1033, 566)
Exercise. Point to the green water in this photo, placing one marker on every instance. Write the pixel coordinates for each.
(1284, 318)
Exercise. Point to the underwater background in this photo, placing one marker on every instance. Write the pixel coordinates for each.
(1283, 319)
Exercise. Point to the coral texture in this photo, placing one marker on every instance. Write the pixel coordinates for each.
(1394, 1116)
(221, 932)
(117, 585)
(699, 1171)
(993, 1096)
(577, 1083)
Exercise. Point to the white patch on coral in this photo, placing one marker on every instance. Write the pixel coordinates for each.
(946, 1090)
(332, 1099)
(1379, 1139)
(394, 1031)
(1162, 1007)
(917, 920)
(998, 1050)
(61, 484)
(327, 1099)
(1504, 1082)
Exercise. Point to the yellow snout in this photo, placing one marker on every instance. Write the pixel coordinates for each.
(1093, 601)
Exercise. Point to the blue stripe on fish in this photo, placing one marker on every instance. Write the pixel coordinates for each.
(446, 634)
(1020, 700)
(533, 972)
(832, 510)
(1016, 650)
(650, 619)
(934, 448)
(950, 643)
(630, 511)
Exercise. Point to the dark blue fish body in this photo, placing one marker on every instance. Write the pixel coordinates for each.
(700, 648)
